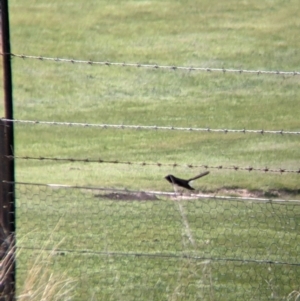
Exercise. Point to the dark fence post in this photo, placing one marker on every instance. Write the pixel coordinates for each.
(7, 241)
(7, 171)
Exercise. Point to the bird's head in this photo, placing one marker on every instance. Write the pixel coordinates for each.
(169, 178)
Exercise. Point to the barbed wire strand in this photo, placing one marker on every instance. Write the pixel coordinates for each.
(160, 193)
(151, 127)
(155, 66)
(163, 255)
(158, 164)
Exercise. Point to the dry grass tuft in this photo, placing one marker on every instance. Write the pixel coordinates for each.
(294, 295)
(41, 283)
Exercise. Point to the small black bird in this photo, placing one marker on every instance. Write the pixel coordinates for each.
(184, 183)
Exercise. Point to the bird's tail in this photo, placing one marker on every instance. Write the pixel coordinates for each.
(199, 176)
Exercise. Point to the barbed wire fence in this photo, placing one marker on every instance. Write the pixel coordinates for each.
(153, 127)
(152, 245)
(158, 164)
(155, 66)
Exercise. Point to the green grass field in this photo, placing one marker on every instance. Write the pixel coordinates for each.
(250, 35)
(144, 249)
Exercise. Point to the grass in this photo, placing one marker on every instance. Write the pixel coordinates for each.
(259, 35)
(157, 98)
(251, 36)
(40, 281)
(164, 264)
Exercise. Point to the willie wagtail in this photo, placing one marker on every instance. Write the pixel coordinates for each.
(184, 183)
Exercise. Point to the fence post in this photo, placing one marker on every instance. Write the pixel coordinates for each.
(7, 243)
(7, 169)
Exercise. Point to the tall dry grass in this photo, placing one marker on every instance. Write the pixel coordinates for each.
(40, 281)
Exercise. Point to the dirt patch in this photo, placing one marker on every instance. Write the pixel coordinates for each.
(130, 196)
